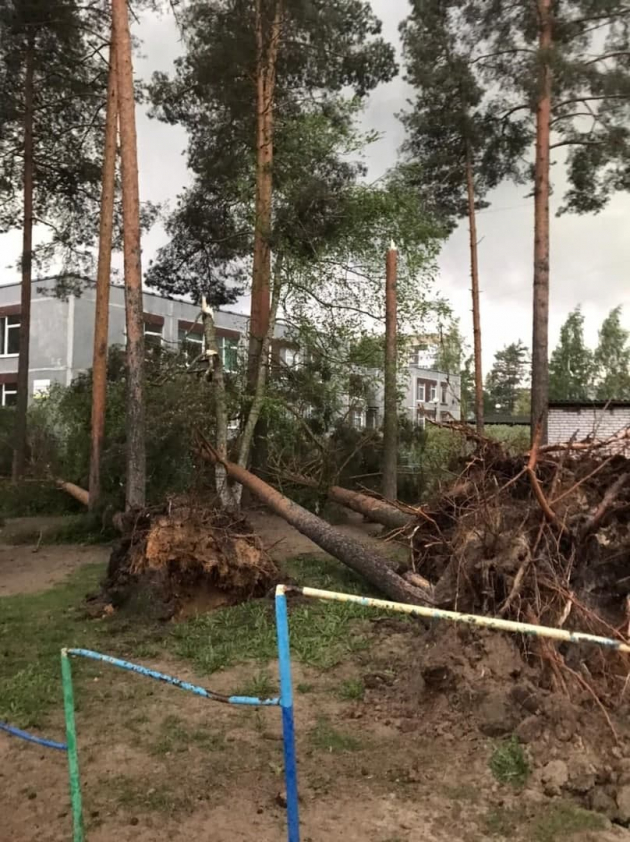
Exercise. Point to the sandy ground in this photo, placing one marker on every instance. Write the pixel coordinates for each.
(28, 569)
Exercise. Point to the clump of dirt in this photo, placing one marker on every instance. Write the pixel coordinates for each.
(187, 557)
(471, 692)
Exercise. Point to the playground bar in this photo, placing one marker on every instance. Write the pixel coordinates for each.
(31, 738)
(495, 623)
(73, 755)
(288, 726)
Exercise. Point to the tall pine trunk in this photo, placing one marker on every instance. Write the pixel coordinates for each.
(474, 278)
(540, 339)
(390, 420)
(136, 456)
(101, 312)
(266, 59)
(19, 455)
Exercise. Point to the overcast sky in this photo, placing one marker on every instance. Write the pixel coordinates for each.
(590, 255)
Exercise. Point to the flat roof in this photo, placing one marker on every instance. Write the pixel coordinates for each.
(613, 403)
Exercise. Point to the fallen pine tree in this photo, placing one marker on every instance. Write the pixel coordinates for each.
(371, 508)
(363, 560)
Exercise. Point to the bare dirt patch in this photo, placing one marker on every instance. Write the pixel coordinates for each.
(23, 571)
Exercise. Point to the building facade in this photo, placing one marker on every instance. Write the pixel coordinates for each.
(581, 419)
(62, 338)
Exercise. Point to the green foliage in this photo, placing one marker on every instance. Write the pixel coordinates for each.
(177, 402)
(571, 364)
(612, 359)
(35, 497)
(508, 763)
(454, 117)
(76, 529)
(322, 50)
(587, 60)
(69, 79)
(506, 379)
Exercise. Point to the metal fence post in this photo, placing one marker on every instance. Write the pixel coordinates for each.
(73, 757)
(286, 706)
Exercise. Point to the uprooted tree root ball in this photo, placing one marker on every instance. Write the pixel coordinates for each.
(542, 538)
(186, 557)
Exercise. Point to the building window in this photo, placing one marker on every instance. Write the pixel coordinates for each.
(153, 336)
(9, 336)
(357, 418)
(420, 391)
(418, 354)
(292, 357)
(443, 388)
(228, 348)
(371, 418)
(9, 394)
(190, 343)
(40, 388)
(433, 392)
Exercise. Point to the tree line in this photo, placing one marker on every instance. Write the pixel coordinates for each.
(576, 372)
(270, 93)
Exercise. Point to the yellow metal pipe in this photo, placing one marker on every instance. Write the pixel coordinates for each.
(470, 619)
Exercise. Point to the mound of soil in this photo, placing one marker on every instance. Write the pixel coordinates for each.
(187, 557)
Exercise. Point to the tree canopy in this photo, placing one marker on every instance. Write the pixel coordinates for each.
(571, 364)
(507, 378)
(612, 359)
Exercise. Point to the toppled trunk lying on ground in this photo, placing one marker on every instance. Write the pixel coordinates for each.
(371, 508)
(542, 538)
(356, 555)
(186, 557)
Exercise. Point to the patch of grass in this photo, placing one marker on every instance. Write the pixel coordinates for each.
(508, 763)
(503, 821)
(326, 738)
(352, 689)
(304, 687)
(563, 819)
(175, 735)
(34, 628)
(320, 633)
(146, 795)
(261, 685)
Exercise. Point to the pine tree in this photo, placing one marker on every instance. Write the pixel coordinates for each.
(571, 364)
(453, 135)
(565, 64)
(612, 359)
(53, 84)
(247, 62)
(507, 378)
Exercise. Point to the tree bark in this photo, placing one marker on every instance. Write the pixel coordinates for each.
(224, 492)
(136, 456)
(75, 491)
(370, 507)
(352, 553)
(261, 375)
(21, 410)
(474, 278)
(101, 312)
(266, 59)
(540, 338)
(390, 403)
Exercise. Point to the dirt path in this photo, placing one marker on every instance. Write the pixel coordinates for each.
(23, 569)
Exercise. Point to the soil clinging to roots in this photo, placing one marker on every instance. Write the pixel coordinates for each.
(185, 557)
